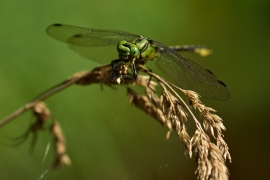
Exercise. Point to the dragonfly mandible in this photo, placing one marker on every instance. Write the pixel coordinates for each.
(137, 50)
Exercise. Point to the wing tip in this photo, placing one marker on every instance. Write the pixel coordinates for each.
(222, 83)
(53, 25)
(57, 24)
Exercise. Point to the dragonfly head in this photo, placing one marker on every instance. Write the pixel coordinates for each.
(127, 50)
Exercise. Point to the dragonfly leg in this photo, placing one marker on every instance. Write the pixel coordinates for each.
(133, 68)
(115, 62)
(113, 65)
(118, 71)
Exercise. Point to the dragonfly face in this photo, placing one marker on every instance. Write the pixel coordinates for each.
(139, 50)
(127, 50)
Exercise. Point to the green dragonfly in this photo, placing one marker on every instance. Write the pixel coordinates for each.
(101, 45)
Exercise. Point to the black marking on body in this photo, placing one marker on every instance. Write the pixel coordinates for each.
(139, 40)
(145, 47)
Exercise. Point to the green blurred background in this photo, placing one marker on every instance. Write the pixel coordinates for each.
(106, 137)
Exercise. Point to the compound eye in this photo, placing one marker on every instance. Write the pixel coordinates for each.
(134, 51)
(123, 48)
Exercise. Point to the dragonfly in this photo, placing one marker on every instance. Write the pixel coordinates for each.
(102, 45)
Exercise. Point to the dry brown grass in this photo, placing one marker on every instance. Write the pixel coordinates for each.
(167, 107)
(61, 158)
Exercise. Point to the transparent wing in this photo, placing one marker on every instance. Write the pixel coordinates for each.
(189, 75)
(94, 44)
(100, 46)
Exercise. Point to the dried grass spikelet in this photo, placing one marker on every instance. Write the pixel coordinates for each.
(97, 75)
(211, 122)
(104, 75)
(42, 114)
(177, 116)
(223, 147)
(61, 158)
(166, 108)
(173, 111)
(41, 111)
(143, 103)
(211, 164)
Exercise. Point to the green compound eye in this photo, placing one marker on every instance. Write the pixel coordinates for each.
(134, 50)
(123, 48)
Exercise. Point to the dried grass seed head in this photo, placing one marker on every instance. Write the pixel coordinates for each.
(41, 111)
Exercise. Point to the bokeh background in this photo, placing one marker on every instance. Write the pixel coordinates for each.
(106, 137)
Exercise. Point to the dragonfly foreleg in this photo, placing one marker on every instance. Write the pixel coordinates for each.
(119, 71)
